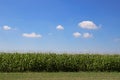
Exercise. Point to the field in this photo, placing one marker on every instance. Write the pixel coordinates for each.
(59, 62)
(61, 76)
(31, 66)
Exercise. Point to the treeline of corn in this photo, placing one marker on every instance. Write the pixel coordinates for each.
(58, 62)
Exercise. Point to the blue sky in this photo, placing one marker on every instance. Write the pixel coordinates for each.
(60, 25)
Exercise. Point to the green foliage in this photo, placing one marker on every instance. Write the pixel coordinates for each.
(58, 62)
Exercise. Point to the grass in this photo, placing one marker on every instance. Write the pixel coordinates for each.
(61, 76)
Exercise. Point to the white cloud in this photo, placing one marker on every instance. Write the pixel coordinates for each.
(31, 35)
(50, 34)
(117, 40)
(6, 27)
(77, 34)
(87, 25)
(60, 27)
(87, 35)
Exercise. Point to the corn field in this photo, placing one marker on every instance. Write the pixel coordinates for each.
(41, 62)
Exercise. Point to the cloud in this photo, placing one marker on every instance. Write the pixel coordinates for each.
(87, 25)
(77, 34)
(87, 35)
(50, 34)
(60, 27)
(6, 28)
(84, 35)
(31, 35)
(117, 40)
